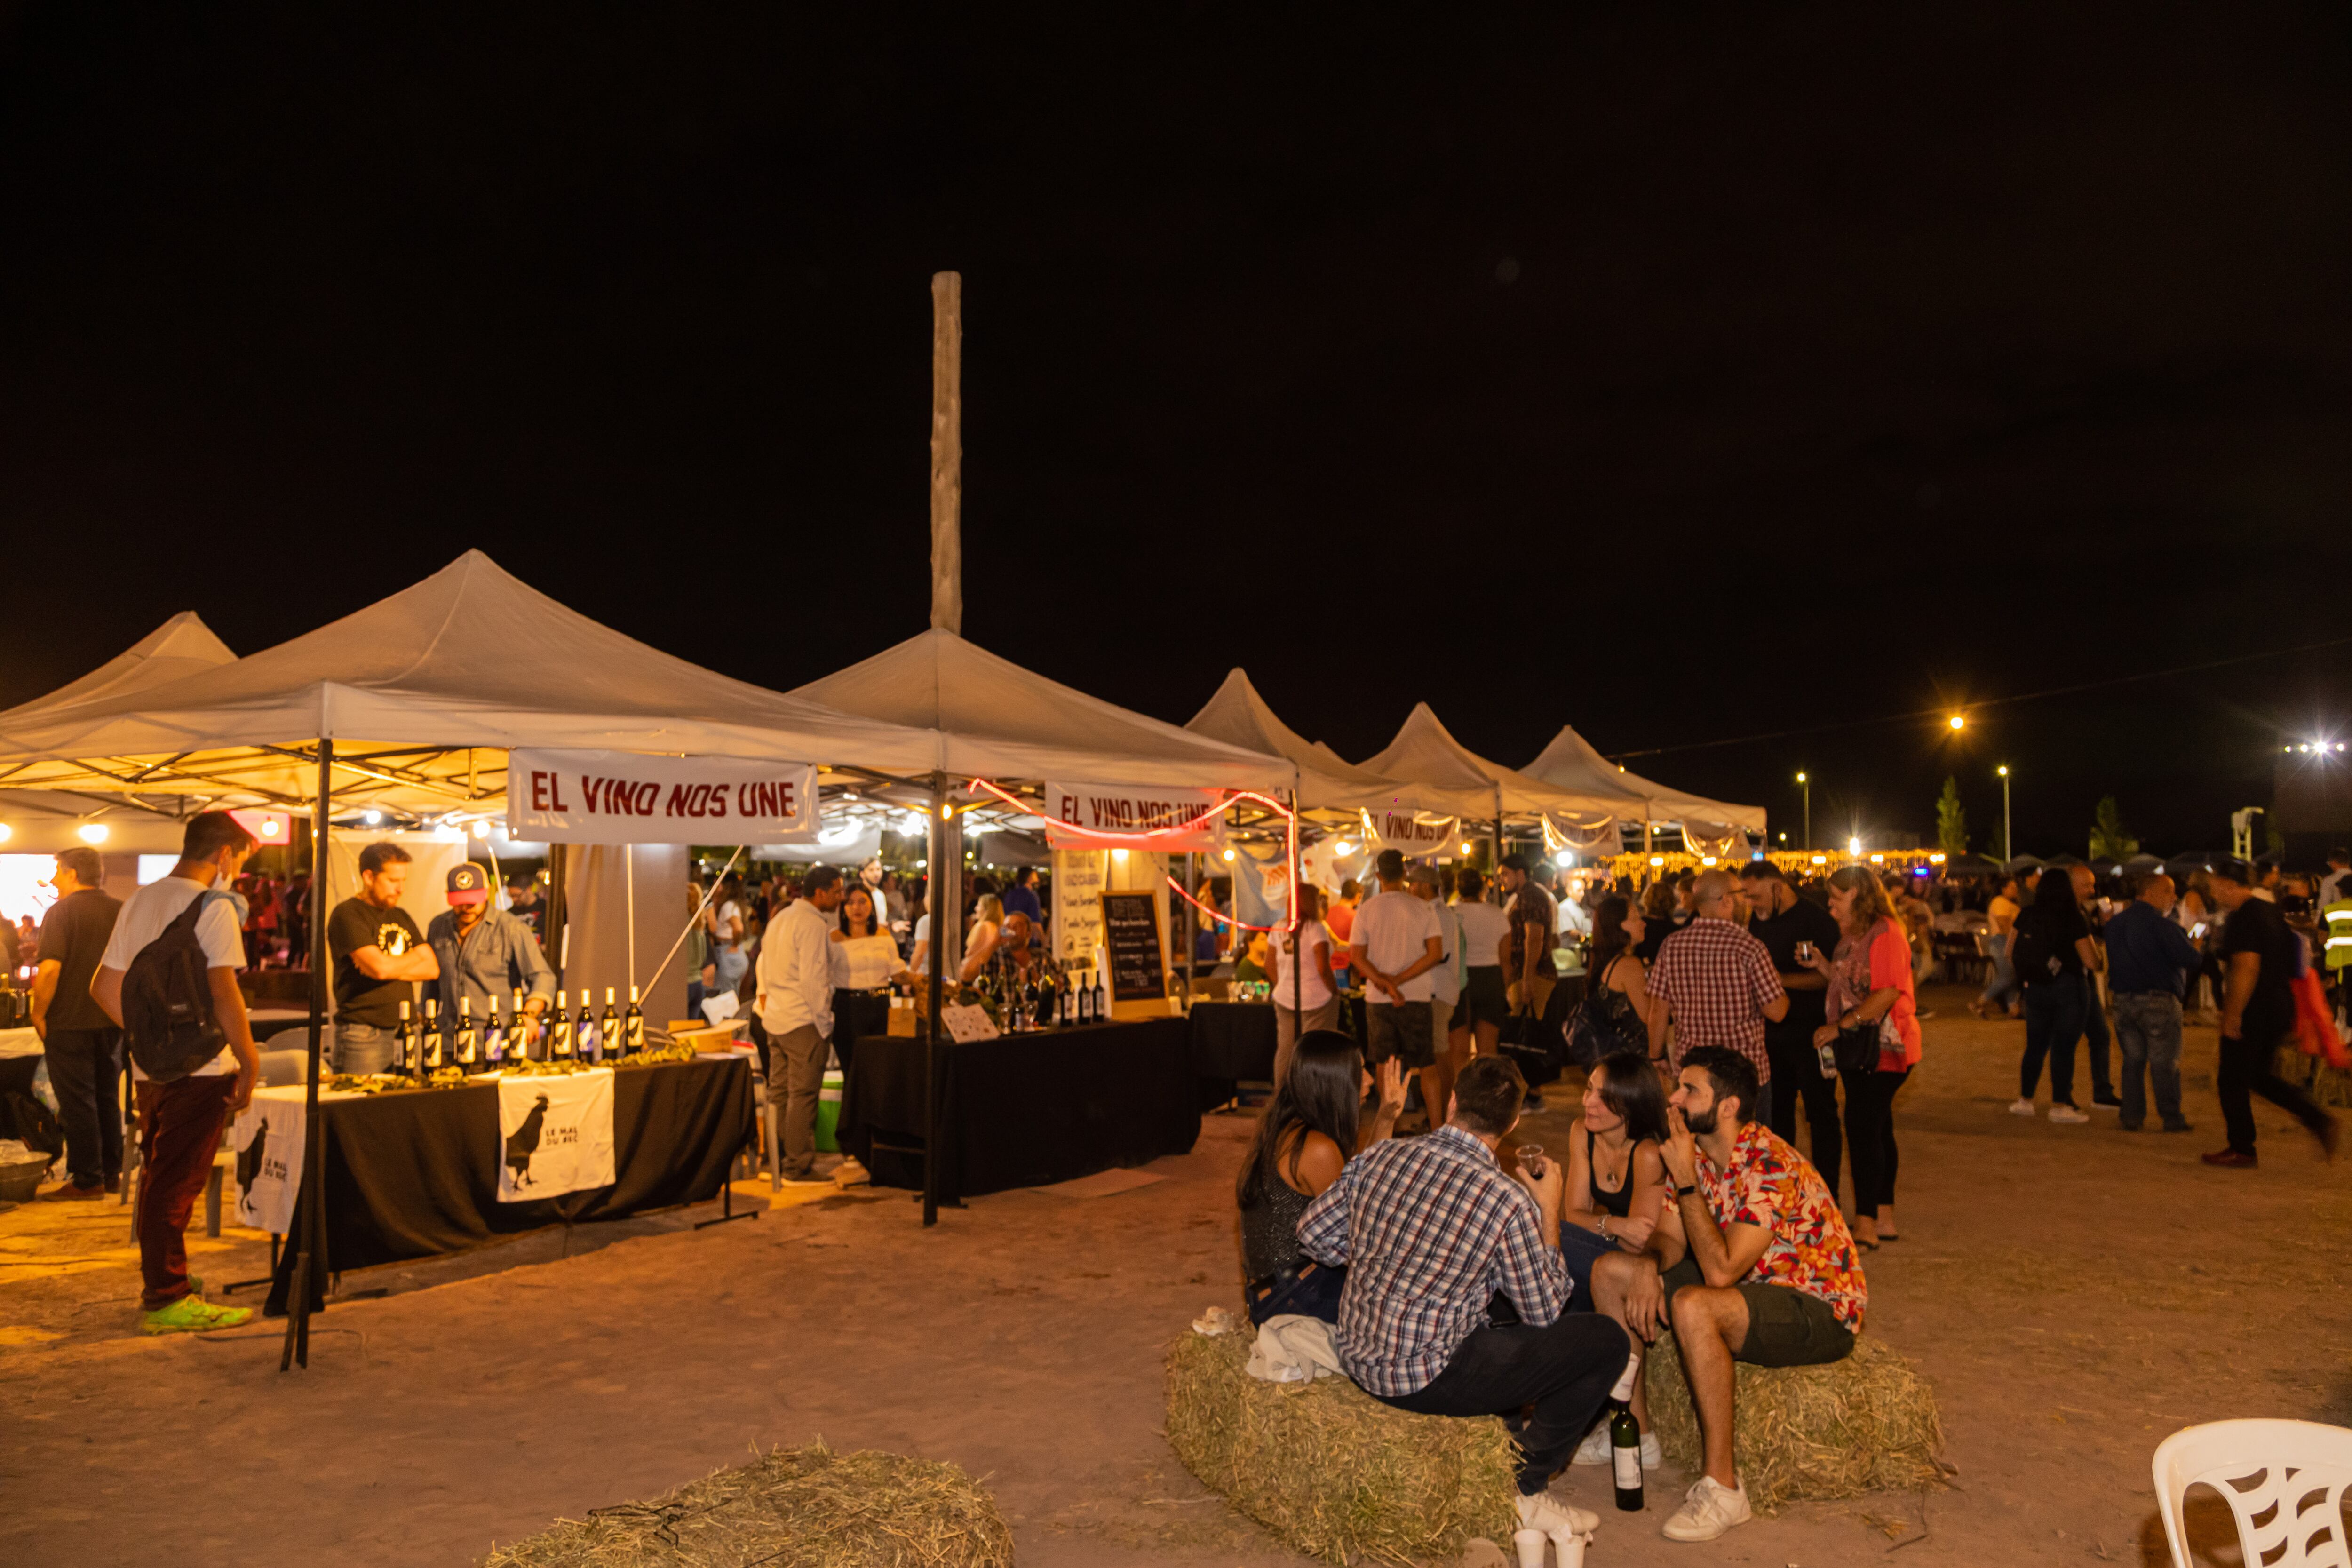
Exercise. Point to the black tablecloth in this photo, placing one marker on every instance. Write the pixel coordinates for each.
(1233, 1040)
(1025, 1109)
(414, 1174)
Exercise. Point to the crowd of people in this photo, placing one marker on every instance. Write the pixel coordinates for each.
(1466, 1272)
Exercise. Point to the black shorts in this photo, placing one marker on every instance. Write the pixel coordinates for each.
(1484, 998)
(1786, 1327)
(1406, 1031)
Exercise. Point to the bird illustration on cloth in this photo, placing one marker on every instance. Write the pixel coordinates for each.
(248, 1166)
(523, 1143)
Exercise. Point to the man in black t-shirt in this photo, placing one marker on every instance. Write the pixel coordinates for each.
(2259, 958)
(378, 952)
(1780, 920)
(81, 1044)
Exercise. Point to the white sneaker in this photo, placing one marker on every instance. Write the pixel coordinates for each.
(1545, 1512)
(2067, 1113)
(1709, 1510)
(2020, 1108)
(1596, 1449)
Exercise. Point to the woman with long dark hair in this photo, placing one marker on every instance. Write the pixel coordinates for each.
(1616, 1190)
(1619, 979)
(2051, 951)
(1310, 1128)
(1870, 988)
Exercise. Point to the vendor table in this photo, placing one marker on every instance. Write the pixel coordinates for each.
(415, 1174)
(1023, 1110)
(1233, 1040)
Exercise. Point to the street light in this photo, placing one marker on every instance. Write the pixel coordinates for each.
(1959, 722)
(2008, 849)
(1807, 781)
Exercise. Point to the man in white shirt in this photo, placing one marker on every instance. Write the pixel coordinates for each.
(1393, 945)
(1445, 982)
(795, 1002)
(180, 1122)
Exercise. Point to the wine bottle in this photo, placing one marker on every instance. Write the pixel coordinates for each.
(559, 1030)
(464, 1042)
(587, 1042)
(431, 1044)
(494, 1035)
(1101, 1006)
(1625, 1439)
(608, 1029)
(518, 1033)
(404, 1041)
(633, 1027)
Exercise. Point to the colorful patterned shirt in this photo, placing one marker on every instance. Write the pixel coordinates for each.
(1719, 980)
(1430, 1229)
(1769, 1184)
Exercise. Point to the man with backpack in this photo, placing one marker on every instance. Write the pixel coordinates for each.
(169, 977)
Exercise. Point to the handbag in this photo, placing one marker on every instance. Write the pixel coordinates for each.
(1600, 1029)
(1858, 1049)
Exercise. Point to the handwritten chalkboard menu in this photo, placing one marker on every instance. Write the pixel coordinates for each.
(1131, 935)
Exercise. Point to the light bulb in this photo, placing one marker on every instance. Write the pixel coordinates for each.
(1229, 854)
(1959, 722)
(93, 832)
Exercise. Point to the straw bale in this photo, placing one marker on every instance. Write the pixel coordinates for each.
(790, 1508)
(1867, 1423)
(1329, 1469)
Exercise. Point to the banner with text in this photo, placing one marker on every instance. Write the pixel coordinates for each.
(628, 798)
(1415, 835)
(555, 1134)
(267, 1138)
(1098, 816)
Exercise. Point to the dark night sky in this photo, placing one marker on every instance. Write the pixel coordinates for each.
(1679, 376)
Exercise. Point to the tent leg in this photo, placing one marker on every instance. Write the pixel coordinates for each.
(297, 1350)
(942, 894)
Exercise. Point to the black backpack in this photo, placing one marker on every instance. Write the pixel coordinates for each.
(167, 1001)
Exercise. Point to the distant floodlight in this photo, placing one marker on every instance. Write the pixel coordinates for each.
(93, 832)
(1853, 846)
(1959, 722)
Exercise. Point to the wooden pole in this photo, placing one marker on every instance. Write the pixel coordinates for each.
(946, 454)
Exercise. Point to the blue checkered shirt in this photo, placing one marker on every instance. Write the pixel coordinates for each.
(1430, 1229)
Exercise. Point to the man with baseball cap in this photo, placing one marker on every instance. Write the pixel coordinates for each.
(485, 953)
(2260, 954)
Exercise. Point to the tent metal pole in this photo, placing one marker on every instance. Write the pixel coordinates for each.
(629, 880)
(943, 885)
(1192, 928)
(1297, 931)
(296, 1349)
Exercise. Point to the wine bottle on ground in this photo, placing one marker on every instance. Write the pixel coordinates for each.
(608, 1029)
(633, 1027)
(559, 1032)
(464, 1045)
(1625, 1439)
(432, 1042)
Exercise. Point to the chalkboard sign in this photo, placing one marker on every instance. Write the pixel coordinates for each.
(1132, 933)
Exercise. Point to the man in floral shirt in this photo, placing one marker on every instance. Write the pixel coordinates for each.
(1751, 1262)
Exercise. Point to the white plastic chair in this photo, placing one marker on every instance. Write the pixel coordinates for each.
(2283, 1480)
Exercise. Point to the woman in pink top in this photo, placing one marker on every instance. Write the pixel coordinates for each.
(1870, 984)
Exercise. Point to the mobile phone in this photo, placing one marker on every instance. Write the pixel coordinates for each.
(2197, 930)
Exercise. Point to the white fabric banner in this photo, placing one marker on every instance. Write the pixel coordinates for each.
(268, 1137)
(1096, 816)
(628, 798)
(1414, 835)
(555, 1134)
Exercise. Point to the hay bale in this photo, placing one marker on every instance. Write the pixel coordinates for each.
(1867, 1423)
(1329, 1469)
(792, 1508)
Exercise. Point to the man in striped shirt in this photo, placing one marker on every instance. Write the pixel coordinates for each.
(1432, 1231)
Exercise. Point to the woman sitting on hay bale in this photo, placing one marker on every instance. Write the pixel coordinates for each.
(1616, 1191)
(1431, 1231)
(1753, 1263)
(1306, 1134)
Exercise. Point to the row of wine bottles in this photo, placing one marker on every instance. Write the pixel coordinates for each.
(561, 1035)
(1041, 999)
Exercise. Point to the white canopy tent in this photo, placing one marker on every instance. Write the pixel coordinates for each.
(994, 719)
(182, 645)
(1709, 826)
(1425, 751)
(1239, 716)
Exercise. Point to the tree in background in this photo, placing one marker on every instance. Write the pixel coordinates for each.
(2109, 839)
(1951, 820)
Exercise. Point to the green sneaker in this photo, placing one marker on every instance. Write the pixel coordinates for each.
(189, 1315)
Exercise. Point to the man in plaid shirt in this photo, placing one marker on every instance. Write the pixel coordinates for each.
(1720, 985)
(1431, 1231)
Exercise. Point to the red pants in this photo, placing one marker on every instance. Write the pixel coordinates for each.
(179, 1130)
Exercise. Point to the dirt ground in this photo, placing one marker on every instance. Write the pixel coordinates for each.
(2074, 1293)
